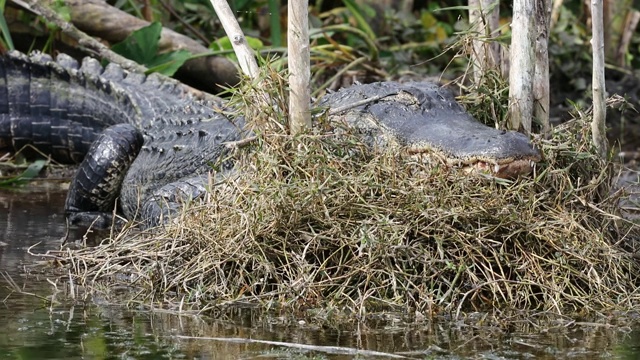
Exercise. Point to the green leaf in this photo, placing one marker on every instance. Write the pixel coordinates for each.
(4, 29)
(32, 171)
(224, 43)
(358, 14)
(167, 64)
(142, 45)
(221, 44)
(254, 43)
(239, 4)
(274, 23)
(62, 10)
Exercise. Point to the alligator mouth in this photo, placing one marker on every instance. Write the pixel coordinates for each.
(508, 168)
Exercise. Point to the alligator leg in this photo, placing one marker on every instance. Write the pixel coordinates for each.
(96, 185)
(167, 201)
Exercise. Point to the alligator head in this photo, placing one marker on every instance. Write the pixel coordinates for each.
(423, 118)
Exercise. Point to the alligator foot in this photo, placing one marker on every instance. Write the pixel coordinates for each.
(96, 185)
(94, 219)
(168, 200)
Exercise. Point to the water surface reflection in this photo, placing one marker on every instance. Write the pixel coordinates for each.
(29, 219)
(33, 330)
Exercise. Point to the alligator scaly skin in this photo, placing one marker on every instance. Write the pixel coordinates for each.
(62, 107)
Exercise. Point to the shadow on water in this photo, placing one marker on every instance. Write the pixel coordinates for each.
(33, 330)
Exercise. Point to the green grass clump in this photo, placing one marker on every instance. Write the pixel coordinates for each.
(321, 221)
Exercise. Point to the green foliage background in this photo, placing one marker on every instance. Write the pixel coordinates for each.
(403, 40)
(386, 39)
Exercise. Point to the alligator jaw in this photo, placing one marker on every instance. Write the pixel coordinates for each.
(507, 168)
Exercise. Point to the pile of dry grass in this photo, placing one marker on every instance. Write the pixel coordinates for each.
(322, 221)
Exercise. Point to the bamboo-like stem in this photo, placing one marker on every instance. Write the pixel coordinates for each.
(522, 66)
(541, 88)
(299, 67)
(231, 27)
(599, 107)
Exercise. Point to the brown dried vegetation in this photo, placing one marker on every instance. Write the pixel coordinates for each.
(321, 221)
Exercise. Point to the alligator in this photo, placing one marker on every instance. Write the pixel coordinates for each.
(144, 143)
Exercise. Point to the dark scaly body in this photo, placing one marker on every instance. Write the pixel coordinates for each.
(61, 108)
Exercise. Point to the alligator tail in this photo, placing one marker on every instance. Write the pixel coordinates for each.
(60, 106)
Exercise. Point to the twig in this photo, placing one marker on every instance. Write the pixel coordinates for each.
(325, 349)
(242, 49)
(83, 39)
(188, 26)
(338, 110)
(16, 289)
(240, 143)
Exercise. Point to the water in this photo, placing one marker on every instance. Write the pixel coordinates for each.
(32, 329)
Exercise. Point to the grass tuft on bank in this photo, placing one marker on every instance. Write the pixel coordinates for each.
(321, 221)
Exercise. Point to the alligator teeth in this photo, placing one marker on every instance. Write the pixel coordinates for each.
(496, 168)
